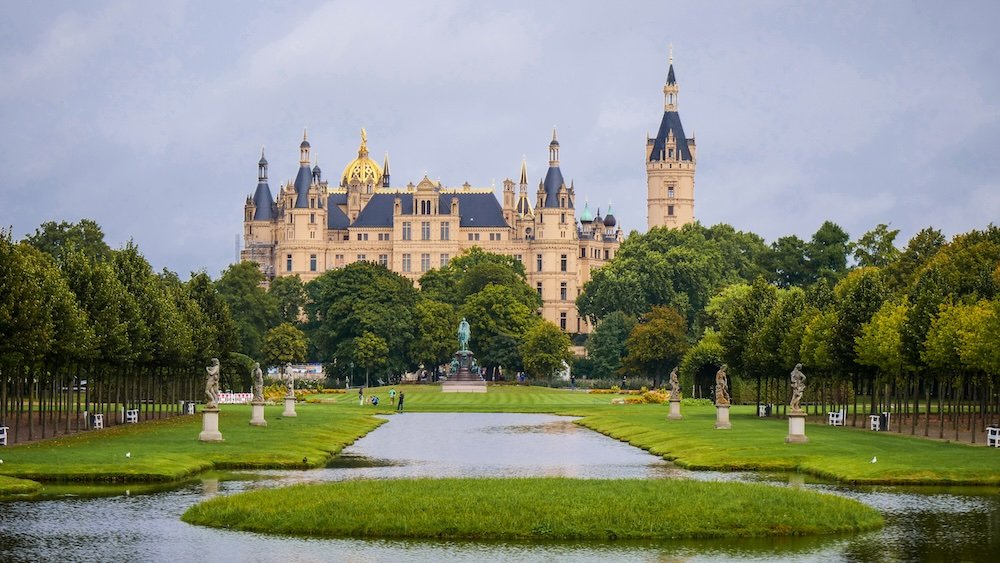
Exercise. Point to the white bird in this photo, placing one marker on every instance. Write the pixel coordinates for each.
(874, 459)
(129, 455)
(1, 462)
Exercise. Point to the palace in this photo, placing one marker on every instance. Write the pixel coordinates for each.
(313, 226)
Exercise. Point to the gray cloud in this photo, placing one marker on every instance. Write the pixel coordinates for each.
(149, 117)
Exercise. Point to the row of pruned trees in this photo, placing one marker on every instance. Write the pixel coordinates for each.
(911, 332)
(88, 329)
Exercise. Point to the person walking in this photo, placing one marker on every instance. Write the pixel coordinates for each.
(361, 397)
(399, 406)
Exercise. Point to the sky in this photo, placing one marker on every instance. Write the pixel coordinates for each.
(149, 117)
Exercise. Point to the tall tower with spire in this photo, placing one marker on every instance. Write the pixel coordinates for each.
(670, 164)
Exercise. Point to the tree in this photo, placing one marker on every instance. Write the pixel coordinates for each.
(921, 248)
(680, 268)
(283, 344)
(701, 362)
(787, 264)
(55, 239)
(371, 351)
(876, 248)
(657, 343)
(742, 321)
(827, 252)
(544, 350)
(880, 343)
(606, 346)
(492, 312)
(219, 335)
(435, 332)
(253, 310)
(289, 295)
(362, 297)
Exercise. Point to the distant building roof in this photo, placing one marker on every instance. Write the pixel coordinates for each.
(335, 218)
(475, 209)
(302, 181)
(671, 123)
(264, 202)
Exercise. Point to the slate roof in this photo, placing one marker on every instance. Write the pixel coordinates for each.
(670, 75)
(302, 181)
(335, 218)
(671, 123)
(264, 202)
(553, 181)
(476, 210)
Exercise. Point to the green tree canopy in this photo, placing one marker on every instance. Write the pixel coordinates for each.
(544, 350)
(606, 346)
(283, 344)
(657, 343)
(289, 295)
(253, 310)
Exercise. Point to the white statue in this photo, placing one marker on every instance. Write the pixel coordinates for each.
(798, 387)
(722, 387)
(212, 385)
(290, 381)
(675, 386)
(258, 383)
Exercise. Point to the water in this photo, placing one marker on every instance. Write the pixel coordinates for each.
(143, 523)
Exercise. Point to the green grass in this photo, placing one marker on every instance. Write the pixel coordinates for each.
(837, 453)
(11, 486)
(540, 508)
(168, 449)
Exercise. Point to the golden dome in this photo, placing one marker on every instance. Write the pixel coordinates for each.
(364, 168)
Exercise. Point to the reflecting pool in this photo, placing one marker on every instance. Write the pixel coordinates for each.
(142, 523)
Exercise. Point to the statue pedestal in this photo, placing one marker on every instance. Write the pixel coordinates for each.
(722, 417)
(210, 426)
(675, 409)
(796, 428)
(257, 414)
(289, 407)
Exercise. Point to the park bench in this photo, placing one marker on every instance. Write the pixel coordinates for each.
(836, 418)
(764, 410)
(131, 416)
(993, 436)
(3, 435)
(96, 421)
(875, 421)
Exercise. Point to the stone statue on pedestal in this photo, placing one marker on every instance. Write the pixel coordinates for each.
(290, 381)
(258, 383)
(722, 386)
(675, 386)
(212, 385)
(798, 387)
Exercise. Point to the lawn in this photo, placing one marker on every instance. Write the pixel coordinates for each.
(169, 449)
(539, 508)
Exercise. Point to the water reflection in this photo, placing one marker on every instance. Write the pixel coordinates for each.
(143, 524)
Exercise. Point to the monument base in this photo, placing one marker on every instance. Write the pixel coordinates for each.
(463, 386)
(257, 415)
(210, 426)
(722, 417)
(289, 408)
(796, 428)
(675, 410)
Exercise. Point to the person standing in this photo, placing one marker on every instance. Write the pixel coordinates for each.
(361, 397)
(399, 406)
(392, 396)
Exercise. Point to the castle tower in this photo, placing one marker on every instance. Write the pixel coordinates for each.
(670, 165)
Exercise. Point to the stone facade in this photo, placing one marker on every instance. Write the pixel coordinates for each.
(312, 226)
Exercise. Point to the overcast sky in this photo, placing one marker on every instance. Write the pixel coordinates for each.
(148, 117)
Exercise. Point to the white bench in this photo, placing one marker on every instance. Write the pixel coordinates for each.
(764, 410)
(875, 421)
(132, 416)
(3, 435)
(97, 421)
(836, 418)
(993, 436)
